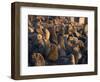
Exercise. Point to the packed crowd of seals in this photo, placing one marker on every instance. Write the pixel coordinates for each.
(57, 40)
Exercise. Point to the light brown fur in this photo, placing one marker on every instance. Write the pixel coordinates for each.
(53, 55)
(39, 59)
